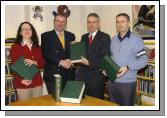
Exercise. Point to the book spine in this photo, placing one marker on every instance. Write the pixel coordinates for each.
(58, 81)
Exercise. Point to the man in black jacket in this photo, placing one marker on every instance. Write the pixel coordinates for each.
(97, 44)
(56, 51)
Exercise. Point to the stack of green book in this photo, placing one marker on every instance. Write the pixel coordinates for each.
(110, 67)
(72, 92)
(25, 71)
(77, 51)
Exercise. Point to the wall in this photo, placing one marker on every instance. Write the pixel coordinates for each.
(15, 14)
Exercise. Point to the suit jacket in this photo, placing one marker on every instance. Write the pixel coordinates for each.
(95, 52)
(91, 75)
(53, 52)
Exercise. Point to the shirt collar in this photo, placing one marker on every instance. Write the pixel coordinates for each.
(57, 32)
(93, 34)
(126, 35)
(23, 43)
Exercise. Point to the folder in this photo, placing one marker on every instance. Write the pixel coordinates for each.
(110, 67)
(77, 51)
(72, 92)
(24, 71)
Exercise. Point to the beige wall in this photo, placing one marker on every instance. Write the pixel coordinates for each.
(14, 15)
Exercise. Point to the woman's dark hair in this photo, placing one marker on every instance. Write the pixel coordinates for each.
(34, 36)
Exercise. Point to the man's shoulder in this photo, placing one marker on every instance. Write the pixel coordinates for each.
(104, 34)
(68, 32)
(85, 35)
(47, 33)
(70, 35)
(135, 37)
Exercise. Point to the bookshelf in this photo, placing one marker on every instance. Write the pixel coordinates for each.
(145, 89)
(10, 91)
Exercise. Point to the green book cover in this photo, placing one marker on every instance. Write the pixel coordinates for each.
(72, 91)
(110, 67)
(77, 51)
(25, 71)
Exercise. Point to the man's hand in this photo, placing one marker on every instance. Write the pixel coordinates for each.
(122, 71)
(104, 73)
(65, 63)
(84, 61)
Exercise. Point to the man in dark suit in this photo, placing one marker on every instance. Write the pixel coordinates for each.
(56, 51)
(97, 44)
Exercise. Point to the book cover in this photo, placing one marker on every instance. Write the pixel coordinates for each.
(77, 51)
(73, 92)
(25, 71)
(110, 67)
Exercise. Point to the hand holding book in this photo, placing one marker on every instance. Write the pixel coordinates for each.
(84, 61)
(30, 62)
(122, 71)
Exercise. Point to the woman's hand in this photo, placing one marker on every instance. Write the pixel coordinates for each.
(26, 82)
(29, 62)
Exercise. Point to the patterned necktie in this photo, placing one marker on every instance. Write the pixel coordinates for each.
(90, 39)
(61, 38)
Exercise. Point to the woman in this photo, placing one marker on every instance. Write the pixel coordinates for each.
(27, 45)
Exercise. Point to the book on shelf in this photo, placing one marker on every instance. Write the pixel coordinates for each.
(110, 67)
(77, 51)
(146, 33)
(145, 87)
(10, 41)
(8, 70)
(72, 92)
(23, 70)
(148, 71)
(151, 54)
(9, 86)
(10, 97)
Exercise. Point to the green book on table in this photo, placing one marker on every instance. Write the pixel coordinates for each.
(77, 51)
(72, 92)
(110, 67)
(24, 71)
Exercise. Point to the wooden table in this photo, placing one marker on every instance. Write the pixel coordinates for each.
(48, 100)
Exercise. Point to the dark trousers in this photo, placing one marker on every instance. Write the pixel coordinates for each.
(122, 93)
(94, 83)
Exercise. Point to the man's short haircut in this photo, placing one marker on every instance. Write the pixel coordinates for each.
(58, 14)
(93, 15)
(125, 15)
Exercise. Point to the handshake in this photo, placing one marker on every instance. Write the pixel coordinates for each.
(67, 63)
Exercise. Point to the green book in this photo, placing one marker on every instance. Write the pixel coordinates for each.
(110, 67)
(25, 71)
(72, 92)
(77, 51)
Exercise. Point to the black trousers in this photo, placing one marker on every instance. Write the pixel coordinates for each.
(94, 82)
(122, 93)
